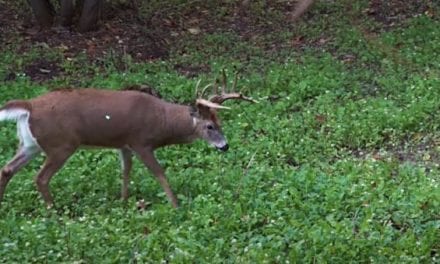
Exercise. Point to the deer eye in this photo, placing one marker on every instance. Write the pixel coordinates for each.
(210, 127)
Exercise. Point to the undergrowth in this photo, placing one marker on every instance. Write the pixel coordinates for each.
(338, 162)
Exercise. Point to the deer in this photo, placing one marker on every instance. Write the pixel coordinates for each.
(136, 123)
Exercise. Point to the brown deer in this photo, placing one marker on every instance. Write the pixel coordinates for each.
(59, 122)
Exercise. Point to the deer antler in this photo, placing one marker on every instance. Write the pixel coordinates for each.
(201, 101)
(217, 99)
(199, 94)
(220, 98)
(210, 104)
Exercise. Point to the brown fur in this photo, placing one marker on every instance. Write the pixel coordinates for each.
(143, 88)
(105, 119)
(17, 104)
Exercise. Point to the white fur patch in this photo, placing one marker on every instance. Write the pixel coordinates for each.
(24, 133)
(122, 155)
(21, 116)
(12, 114)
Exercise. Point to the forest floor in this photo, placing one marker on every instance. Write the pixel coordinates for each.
(338, 162)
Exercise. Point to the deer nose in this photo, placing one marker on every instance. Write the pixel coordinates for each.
(224, 148)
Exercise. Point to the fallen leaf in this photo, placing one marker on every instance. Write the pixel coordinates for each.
(323, 40)
(320, 118)
(377, 156)
(426, 157)
(194, 30)
(297, 41)
(44, 70)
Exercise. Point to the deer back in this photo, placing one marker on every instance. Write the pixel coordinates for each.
(95, 117)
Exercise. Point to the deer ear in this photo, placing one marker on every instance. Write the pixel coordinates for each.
(194, 112)
(201, 111)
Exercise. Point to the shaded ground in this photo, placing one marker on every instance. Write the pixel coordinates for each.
(140, 32)
(42, 69)
(418, 150)
(393, 13)
(124, 32)
(121, 31)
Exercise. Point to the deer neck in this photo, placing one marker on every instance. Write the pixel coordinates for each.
(179, 125)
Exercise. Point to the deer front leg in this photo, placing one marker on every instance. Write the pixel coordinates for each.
(54, 161)
(126, 164)
(147, 157)
(23, 156)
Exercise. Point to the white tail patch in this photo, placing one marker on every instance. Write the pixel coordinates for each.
(12, 114)
(21, 116)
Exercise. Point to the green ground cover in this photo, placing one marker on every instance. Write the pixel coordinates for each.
(338, 162)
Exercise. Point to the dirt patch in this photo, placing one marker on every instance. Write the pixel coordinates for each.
(120, 35)
(150, 35)
(191, 71)
(394, 12)
(42, 70)
(140, 31)
(121, 32)
(421, 150)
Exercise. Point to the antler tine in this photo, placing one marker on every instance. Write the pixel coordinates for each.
(223, 96)
(197, 88)
(215, 88)
(223, 81)
(199, 94)
(219, 99)
(204, 90)
(234, 85)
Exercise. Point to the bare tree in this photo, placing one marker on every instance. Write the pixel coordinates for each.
(89, 11)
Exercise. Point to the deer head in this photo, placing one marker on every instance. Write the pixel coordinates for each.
(205, 111)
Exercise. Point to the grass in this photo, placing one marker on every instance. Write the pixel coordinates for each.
(339, 162)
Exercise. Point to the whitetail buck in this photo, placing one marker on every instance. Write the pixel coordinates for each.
(59, 122)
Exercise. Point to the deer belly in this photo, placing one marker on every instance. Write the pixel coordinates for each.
(104, 138)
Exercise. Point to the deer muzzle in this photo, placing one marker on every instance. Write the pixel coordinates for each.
(224, 148)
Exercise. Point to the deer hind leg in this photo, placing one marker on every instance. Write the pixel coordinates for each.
(147, 157)
(126, 164)
(54, 161)
(23, 156)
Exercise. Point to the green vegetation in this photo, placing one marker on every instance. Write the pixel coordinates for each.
(338, 163)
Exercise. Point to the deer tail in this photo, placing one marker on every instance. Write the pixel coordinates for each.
(13, 110)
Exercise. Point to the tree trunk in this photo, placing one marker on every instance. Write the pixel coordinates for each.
(90, 14)
(67, 11)
(44, 12)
